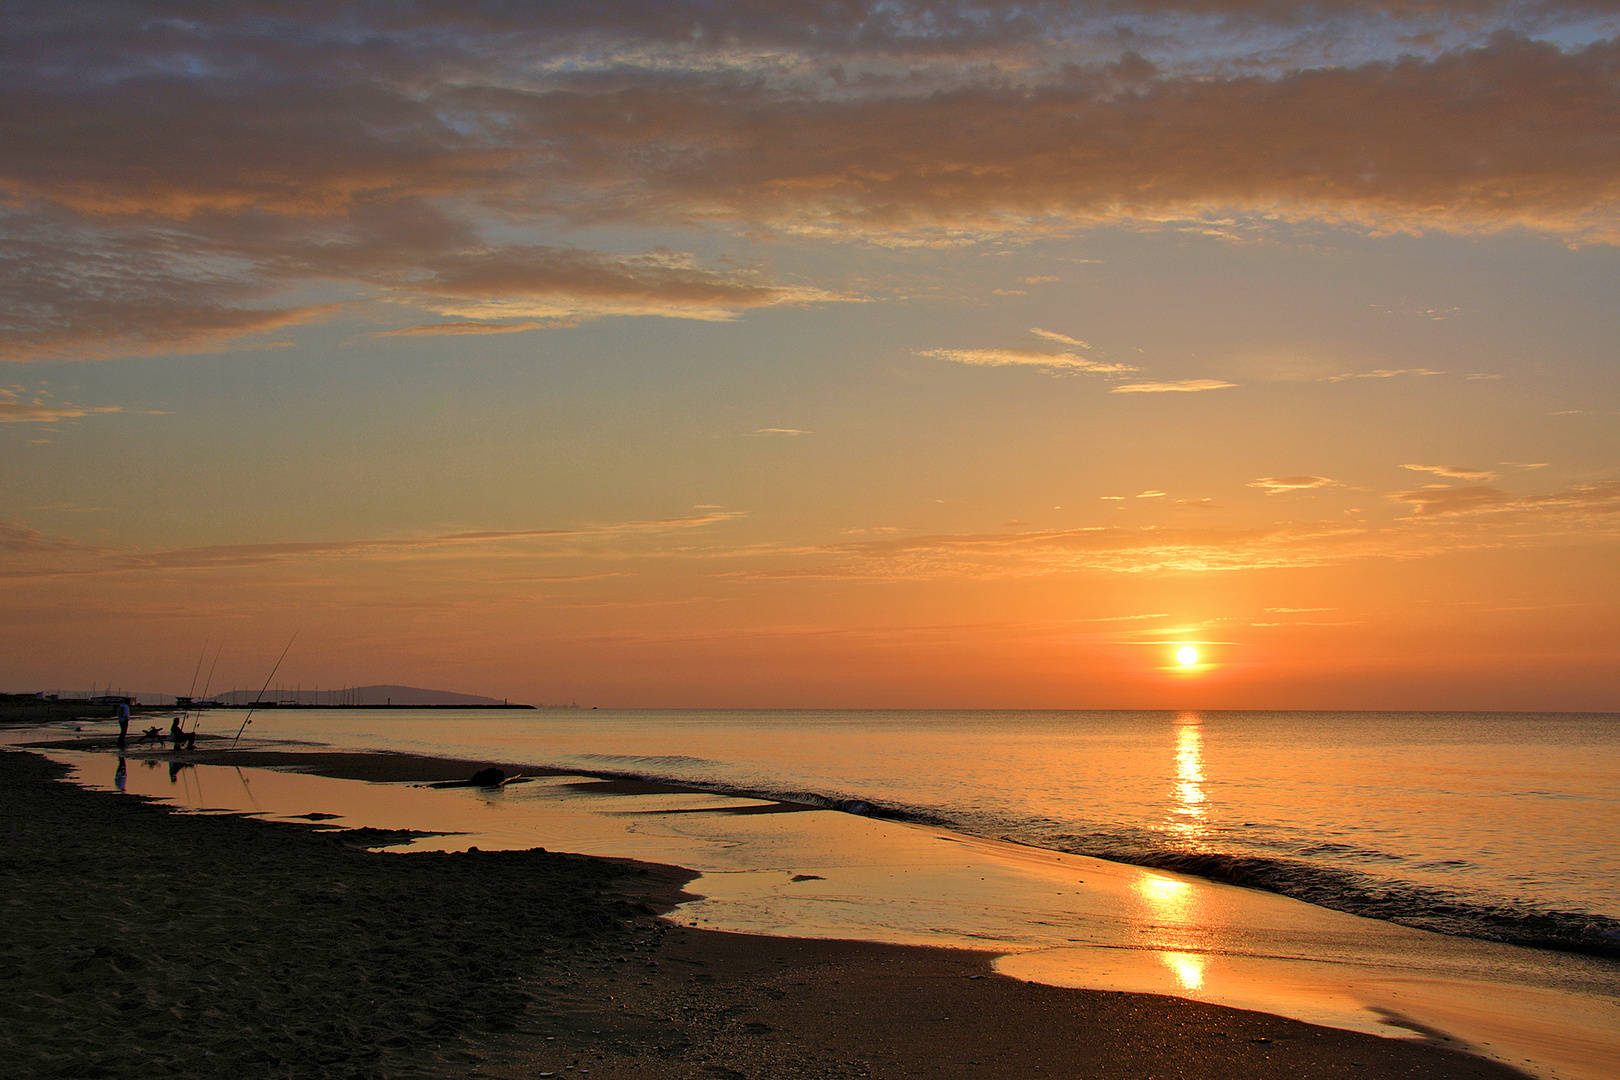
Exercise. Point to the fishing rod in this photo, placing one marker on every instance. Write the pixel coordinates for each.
(196, 721)
(249, 718)
(191, 694)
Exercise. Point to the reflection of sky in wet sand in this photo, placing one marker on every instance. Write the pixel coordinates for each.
(1063, 919)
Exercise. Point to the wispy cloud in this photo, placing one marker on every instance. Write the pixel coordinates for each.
(525, 542)
(1589, 502)
(1052, 335)
(1186, 386)
(1277, 485)
(1454, 472)
(24, 539)
(1383, 373)
(41, 409)
(17, 412)
(431, 329)
(770, 431)
(1444, 521)
(1057, 363)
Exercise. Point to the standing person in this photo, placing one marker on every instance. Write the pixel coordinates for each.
(123, 723)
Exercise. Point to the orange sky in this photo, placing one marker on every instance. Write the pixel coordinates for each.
(766, 354)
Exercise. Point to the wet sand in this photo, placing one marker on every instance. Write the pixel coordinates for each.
(143, 942)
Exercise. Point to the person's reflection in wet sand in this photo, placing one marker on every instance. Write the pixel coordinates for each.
(175, 767)
(121, 774)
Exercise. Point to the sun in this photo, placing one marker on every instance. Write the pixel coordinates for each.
(1187, 656)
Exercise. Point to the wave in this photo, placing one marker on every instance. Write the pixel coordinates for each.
(646, 761)
(1424, 907)
(1408, 903)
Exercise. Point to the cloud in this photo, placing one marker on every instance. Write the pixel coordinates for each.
(1383, 373)
(1450, 501)
(178, 183)
(1277, 485)
(23, 539)
(561, 283)
(768, 431)
(20, 538)
(1185, 386)
(1588, 502)
(38, 410)
(1052, 335)
(1446, 521)
(1098, 549)
(1455, 472)
(433, 329)
(1512, 133)
(1062, 362)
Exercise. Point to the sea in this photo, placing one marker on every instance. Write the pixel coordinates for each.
(1497, 826)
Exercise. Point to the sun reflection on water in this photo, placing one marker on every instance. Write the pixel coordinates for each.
(1187, 811)
(1188, 969)
(1168, 901)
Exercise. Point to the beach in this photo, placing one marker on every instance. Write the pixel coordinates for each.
(144, 942)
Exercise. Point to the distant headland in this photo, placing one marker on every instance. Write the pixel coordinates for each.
(382, 696)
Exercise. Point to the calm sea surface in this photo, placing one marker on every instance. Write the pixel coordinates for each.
(1498, 825)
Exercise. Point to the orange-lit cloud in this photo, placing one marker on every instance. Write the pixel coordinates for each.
(1185, 386)
(1444, 521)
(477, 328)
(1277, 485)
(177, 183)
(40, 410)
(462, 544)
(20, 538)
(1384, 373)
(1453, 519)
(558, 283)
(1061, 362)
(1582, 502)
(1052, 335)
(1454, 472)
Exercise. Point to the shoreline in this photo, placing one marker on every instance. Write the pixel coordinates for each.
(1402, 903)
(518, 963)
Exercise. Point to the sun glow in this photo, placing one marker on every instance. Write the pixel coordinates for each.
(1187, 656)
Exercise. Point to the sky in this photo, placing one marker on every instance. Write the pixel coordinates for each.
(815, 353)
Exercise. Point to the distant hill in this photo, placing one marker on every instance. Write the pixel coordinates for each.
(385, 694)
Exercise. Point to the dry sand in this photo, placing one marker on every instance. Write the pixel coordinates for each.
(141, 942)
